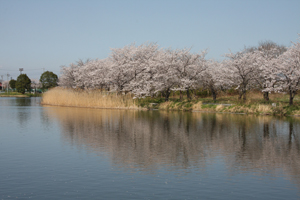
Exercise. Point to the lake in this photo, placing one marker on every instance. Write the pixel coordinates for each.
(76, 153)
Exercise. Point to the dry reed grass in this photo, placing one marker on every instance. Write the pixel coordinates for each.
(219, 108)
(165, 105)
(254, 109)
(197, 106)
(296, 112)
(264, 108)
(89, 99)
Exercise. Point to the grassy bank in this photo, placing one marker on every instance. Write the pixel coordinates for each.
(243, 108)
(16, 94)
(225, 103)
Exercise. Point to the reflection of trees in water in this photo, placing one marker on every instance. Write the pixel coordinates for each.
(22, 105)
(264, 146)
(23, 114)
(23, 101)
(25, 106)
(149, 139)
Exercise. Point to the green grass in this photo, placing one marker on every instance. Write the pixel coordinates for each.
(291, 109)
(145, 102)
(209, 106)
(255, 104)
(34, 95)
(17, 94)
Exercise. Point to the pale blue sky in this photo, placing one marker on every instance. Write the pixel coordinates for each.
(36, 34)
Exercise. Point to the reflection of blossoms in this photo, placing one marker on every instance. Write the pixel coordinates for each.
(151, 140)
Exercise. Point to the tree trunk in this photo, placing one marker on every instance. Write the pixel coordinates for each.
(244, 96)
(291, 97)
(243, 93)
(167, 94)
(152, 95)
(240, 95)
(120, 90)
(266, 96)
(214, 94)
(181, 96)
(188, 94)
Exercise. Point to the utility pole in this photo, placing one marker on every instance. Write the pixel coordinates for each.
(2, 82)
(7, 81)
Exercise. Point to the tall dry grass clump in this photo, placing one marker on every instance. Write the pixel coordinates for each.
(251, 109)
(88, 99)
(220, 108)
(264, 108)
(197, 106)
(165, 105)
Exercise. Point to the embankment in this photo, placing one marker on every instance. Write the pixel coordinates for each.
(98, 99)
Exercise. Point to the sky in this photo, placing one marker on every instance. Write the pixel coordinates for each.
(43, 35)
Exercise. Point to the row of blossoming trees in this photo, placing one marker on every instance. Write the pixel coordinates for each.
(147, 70)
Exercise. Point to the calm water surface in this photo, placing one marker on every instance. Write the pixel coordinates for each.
(71, 153)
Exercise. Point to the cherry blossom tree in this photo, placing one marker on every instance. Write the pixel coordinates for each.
(286, 72)
(97, 75)
(67, 78)
(214, 79)
(240, 71)
(35, 83)
(188, 68)
(146, 70)
(165, 78)
(70, 75)
(128, 63)
(265, 53)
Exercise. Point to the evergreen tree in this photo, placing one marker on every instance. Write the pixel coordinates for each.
(12, 83)
(48, 80)
(23, 83)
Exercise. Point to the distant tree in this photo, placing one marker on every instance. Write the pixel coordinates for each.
(23, 83)
(48, 80)
(12, 83)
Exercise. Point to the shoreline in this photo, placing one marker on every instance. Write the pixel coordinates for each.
(14, 96)
(94, 107)
(227, 104)
(183, 110)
